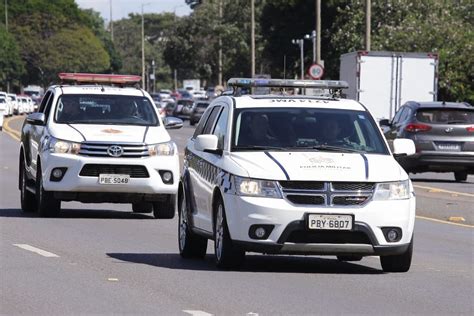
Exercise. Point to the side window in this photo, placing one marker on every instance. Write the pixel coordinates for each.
(406, 115)
(221, 127)
(397, 117)
(44, 101)
(202, 123)
(48, 106)
(212, 119)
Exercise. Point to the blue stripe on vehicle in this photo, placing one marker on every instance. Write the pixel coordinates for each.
(366, 163)
(279, 164)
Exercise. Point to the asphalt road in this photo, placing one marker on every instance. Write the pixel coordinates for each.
(102, 259)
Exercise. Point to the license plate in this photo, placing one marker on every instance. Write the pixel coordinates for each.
(449, 146)
(114, 178)
(330, 221)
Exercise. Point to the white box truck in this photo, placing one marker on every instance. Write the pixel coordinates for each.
(384, 81)
(192, 85)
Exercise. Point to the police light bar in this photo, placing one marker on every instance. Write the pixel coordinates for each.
(287, 83)
(99, 78)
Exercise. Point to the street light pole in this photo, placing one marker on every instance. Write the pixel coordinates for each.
(111, 23)
(252, 3)
(300, 42)
(6, 15)
(313, 38)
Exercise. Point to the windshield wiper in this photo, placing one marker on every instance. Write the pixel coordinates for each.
(257, 147)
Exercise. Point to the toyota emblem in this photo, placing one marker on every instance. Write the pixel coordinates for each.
(115, 151)
(448, 130)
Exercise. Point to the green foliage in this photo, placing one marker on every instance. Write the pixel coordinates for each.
(11, 65)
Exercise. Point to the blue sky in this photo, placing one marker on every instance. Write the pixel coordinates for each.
(121, 8)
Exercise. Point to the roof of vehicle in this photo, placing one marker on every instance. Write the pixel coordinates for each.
(251, 101)
(99, 89)
(439, 104)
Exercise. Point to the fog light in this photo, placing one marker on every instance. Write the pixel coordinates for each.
(392, 235)
(260, 232)
(57, 174)
(166, 176)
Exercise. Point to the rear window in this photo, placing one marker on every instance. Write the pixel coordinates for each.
(445, 116)
(202, 105)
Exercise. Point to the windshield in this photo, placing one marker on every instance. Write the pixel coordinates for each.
(303, 128)
(105, 109)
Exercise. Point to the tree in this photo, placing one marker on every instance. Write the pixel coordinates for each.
(11, 65)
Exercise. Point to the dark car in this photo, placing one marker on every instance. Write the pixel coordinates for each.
(197, 112)
(443, 133)
(183, 108)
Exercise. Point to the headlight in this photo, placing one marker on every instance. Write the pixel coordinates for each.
(255, 187)
(162, 149)
(59, 146)
(392, 191)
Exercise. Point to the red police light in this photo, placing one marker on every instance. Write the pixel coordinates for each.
(99, 78)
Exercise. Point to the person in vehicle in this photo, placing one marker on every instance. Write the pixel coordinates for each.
(258, 133)
(332, 131)
(71, 110)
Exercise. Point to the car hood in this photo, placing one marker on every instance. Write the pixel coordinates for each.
(110, 133)
(319, 166)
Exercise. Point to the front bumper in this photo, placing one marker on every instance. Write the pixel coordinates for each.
(291, 236)
(73, 182)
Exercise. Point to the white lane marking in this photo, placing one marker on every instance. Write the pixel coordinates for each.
(196, 313)
(41, 252)
(443, 222)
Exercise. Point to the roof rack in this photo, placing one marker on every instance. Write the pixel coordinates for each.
(85, 78)
(334, 86)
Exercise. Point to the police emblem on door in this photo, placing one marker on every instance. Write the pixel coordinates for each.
(115, 151)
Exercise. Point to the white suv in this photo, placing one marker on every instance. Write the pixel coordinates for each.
(294, 174)
(98, 143)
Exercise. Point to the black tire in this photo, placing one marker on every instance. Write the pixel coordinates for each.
(165, 209)
(460, 176)
(46, 204)
(190, 244)
(227, 254)
(349, 258)
(142, 207)
(192, 123)
(27, 198)
(398, 263)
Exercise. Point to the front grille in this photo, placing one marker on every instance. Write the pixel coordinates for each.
(328, 237)
(306, 199)
(348, 194)
(99, 149)
(93, 170)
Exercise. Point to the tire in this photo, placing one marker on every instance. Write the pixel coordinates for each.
(190, 244)
(227, 255)
(165, 209)
(142, 207)
(460, 176)
(398, 263)
(192, 123)
(46, 204)
(349, 258)
(27, 199)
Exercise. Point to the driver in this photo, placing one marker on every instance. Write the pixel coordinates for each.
(331, 131)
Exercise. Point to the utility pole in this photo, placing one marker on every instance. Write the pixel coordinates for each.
(318, 31)
(143, 47)
(111, 23)
(367, 24)
(6, 15)
(175, 80)
(300, 43)
(252, 3)
(154, 75)
(219, 79)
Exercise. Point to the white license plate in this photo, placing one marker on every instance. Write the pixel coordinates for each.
(114, 178)
(330, 221)
(449, 147)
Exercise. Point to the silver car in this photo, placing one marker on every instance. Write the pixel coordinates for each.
(443, 133)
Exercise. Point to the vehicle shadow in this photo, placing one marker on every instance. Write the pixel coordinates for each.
(428, 180)
(79, 213)
(253, 263)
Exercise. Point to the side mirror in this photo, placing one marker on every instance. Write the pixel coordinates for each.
(172, 122)
(36, 119)
(403, 147)
(207, 143)
(385, 122)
